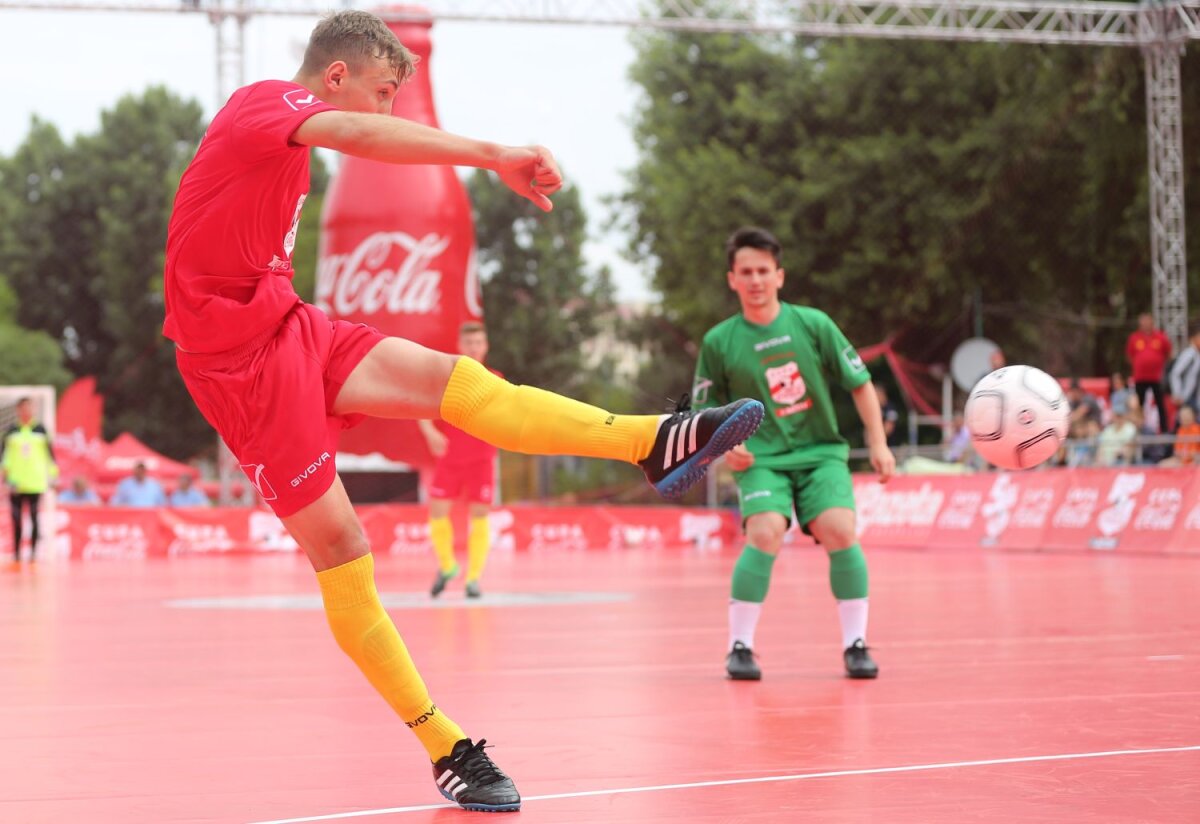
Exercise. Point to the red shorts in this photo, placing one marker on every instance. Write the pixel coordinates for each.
(271, 400)
(473, 482)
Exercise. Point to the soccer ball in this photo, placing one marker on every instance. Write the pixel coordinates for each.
(1017, 417)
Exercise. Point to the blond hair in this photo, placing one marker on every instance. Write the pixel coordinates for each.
(356, 37)
(470, 328)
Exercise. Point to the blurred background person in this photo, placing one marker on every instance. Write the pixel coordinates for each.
(1119, 395)
(465, 471)
(1184, 378)
(28, 468)
(187, 494)
(79, 493)
(1148, 349)
(1117, 442)
(139, 489)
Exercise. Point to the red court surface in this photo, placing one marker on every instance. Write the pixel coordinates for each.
(1014, 688)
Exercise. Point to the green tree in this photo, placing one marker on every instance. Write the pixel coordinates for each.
(540, 300)
(304, 255)
(29, 357)
(544, 308)
(88, 258)
(904, 179)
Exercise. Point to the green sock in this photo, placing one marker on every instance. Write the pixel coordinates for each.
(848, 573)
(752, 575)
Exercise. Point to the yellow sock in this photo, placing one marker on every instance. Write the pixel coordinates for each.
(366, 633)
(537, 422)
(479, 541)
(441, 532)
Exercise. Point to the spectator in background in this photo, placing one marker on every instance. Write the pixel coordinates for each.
(1185, 373)
(28, 467)
(958, 442)
(1187, 445)
(186, 494)
(139, 489)
(891, 416)
(1084, 406)
(1187, 440)
(1148, 350)
(1116, 443)
(79, 493)
(1119, 395)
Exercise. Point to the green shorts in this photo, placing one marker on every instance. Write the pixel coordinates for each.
(807, 492)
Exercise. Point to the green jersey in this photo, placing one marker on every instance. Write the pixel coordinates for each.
(789, 365)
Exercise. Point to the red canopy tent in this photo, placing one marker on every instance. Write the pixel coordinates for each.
(117, 459)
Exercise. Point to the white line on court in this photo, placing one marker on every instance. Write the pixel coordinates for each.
(761, 780)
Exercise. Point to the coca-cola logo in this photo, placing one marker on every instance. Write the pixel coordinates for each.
(390, 272)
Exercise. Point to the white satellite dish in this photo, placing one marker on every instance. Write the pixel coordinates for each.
(971, 361)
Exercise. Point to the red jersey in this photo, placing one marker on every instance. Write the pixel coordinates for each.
(1148, 355)
(463, 449)
(229, 269)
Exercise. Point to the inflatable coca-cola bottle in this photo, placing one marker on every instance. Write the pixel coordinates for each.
(397, 251)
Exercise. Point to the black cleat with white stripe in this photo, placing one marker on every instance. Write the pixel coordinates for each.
(688, 441)
(472, 781)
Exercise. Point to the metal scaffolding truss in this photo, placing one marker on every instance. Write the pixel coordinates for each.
(1160, 28)
(1064, 22)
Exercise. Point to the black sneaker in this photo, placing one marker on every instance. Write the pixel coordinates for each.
(473, 590)
(688, 441)
(740, 663)
(858, 661)
(443, 578)
(472, 781)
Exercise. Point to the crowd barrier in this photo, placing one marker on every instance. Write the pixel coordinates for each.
(1143, 510)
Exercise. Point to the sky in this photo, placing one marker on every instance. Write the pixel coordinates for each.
(565, 87)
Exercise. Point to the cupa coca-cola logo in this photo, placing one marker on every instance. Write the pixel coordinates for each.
(389, 272)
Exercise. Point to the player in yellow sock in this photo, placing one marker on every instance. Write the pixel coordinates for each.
(479, 543)
(441, 535)
(465, 471)
(279, 380)
(366, 634)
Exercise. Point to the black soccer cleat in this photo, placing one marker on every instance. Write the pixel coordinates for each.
(688, 441)
(472, 589)
(740, 663)
(472, 781)
(858, 661)
(443, 578)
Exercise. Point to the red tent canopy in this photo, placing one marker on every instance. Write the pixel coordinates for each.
(117, 459)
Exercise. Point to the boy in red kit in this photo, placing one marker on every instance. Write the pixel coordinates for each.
(1148, 350)
(465, 471)
(279, 381)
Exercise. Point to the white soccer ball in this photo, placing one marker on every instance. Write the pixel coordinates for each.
(1017, 417)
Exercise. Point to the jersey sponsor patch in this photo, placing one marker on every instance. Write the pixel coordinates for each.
(786, 383)
(768, 344)
(700, 390)
(300, 99)
(853, 360)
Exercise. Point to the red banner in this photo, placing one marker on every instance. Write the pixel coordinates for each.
(91, 533)
(1144, 510)
(1141, 509)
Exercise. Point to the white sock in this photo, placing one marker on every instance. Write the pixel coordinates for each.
(853, 616)
(743, 618)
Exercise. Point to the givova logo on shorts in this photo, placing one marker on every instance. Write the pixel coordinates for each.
(259, 481)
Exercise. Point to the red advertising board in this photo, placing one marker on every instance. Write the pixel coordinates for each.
(1135, 509)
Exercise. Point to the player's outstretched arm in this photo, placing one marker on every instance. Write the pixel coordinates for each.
(530, 171)
(866, 401)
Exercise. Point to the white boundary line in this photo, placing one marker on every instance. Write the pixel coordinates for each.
(761, 780)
